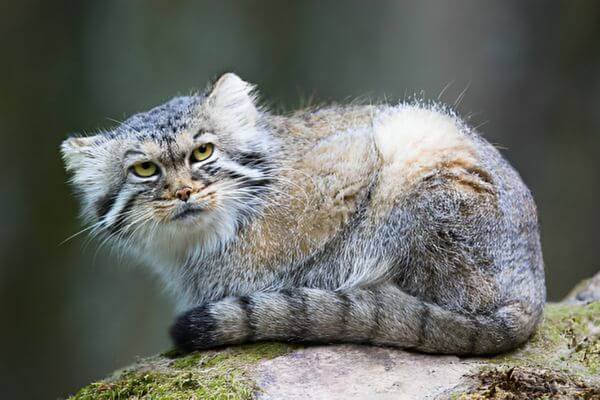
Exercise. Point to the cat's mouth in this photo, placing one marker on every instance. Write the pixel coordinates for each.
(187, 212)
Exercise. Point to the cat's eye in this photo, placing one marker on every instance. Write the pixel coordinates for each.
(145, 169)
(202, 152)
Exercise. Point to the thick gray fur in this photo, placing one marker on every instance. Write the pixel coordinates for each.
(440, 254)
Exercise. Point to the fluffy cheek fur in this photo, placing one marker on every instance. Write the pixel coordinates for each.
(93, 173)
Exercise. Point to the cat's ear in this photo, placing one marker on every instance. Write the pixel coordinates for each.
(76, 151)
(231, 98)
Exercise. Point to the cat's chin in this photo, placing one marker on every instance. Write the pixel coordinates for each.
(190, 220)
(189, 214)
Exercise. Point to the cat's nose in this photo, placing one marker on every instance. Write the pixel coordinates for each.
(184, 193)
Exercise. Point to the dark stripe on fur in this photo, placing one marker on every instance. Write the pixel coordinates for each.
(247, 307)
(118, 225)
(106, 202)
(252, 159)
(214, 160)
(257, 183)
(214, 170)
(243, 180)
(374, 334)
(474, 334)
(211, 169)
(424, 316)
(346, 305)
(233, 174)
(297, 307)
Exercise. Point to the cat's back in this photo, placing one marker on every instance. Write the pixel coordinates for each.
(409, 141)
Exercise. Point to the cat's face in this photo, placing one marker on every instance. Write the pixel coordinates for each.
(194, 169)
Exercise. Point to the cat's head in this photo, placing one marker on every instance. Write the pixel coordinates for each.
(193, 169)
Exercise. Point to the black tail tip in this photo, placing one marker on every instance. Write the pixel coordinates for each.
(181, 333)
(194, 330)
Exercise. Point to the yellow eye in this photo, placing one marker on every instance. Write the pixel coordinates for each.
(202, 152)
(145, 169)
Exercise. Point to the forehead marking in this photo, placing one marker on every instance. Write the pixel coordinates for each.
(172, 156)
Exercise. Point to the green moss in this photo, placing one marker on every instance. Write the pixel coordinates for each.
(187, 362)
(242, 355)
(155, 385)
(252, 353)
(208, 375)
(568, 340)
(172, 353)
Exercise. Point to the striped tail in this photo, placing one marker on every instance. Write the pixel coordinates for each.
(383, 315)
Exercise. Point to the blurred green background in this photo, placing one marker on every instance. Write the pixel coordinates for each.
(527, 72)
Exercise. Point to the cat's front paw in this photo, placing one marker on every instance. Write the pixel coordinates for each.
(194, 330)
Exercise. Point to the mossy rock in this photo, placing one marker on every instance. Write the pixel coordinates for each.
(562, 360)
(568, 340)
(523, 383)
(211, 375)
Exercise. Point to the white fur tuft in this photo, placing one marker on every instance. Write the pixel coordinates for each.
(412, 139)
(232, 106)
(75, 151)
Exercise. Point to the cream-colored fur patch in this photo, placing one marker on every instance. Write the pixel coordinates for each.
(411, 141)
(325, 187)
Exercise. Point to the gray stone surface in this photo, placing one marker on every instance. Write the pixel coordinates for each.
(360, 372)
(586, 291)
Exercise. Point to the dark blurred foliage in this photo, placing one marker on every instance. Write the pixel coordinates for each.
(526, 72)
